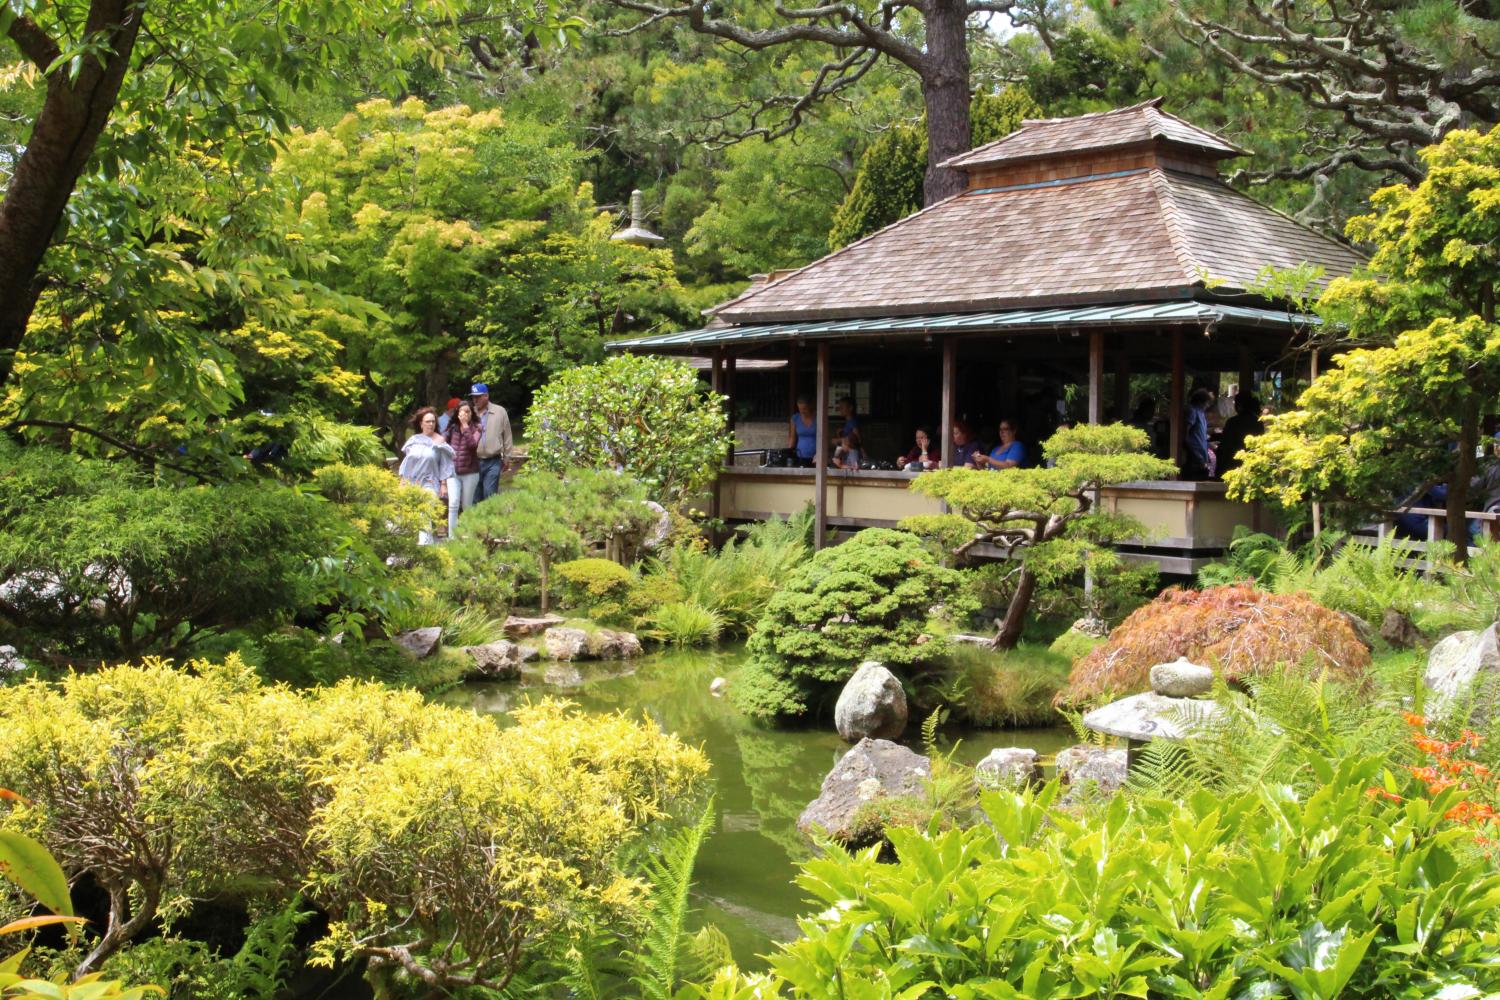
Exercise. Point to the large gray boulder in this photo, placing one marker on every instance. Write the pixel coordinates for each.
(420, 642)
(872, 769)
(498, 661)
(565, 643)
(1085, 766)
(1009, 767)
(520, 628)
(610, 644)
(871, 705)
(1462, 663)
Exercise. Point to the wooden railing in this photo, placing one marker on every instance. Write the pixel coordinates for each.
(1436, 519)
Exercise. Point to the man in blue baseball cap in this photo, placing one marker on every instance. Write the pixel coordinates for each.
(494, 440)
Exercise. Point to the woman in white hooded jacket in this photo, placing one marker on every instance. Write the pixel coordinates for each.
(427, 460)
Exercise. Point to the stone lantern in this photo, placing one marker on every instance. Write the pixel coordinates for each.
(636, 234)
(1172, 710)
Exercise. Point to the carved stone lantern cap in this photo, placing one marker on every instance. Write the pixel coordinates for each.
(636, 233)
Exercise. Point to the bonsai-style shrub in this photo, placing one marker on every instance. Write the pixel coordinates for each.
(871, 598)
(507, 545)
(600, 587)
(1238, 630)
(649, 417)
(1046, 520)
(441, 847)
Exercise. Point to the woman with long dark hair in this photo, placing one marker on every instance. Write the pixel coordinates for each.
(463, 436)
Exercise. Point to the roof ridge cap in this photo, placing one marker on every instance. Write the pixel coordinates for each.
(752, 293)
(1154, 102)
(1167, 206)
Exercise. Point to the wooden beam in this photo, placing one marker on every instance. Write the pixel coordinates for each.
(1096, 376)
(820, 455)
(950, 396)
(793, 362)
(1174, 415)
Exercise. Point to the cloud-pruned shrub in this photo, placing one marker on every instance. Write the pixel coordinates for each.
(871, 598)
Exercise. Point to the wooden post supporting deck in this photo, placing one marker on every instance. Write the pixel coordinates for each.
(1174, 417)
(716, 382)
(1096, 377)
(950, 400)
(729, 372)
(820, 456)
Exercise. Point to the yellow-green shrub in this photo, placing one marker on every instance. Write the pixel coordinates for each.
(601, 587)
(408, 823)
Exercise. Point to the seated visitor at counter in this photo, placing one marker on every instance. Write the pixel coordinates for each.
(850, 423)
(923, 455)
(964, 445)
(1008, 454)
(802, 432)
(849, 453)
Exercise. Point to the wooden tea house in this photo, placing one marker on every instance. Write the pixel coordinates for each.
(1091, 263)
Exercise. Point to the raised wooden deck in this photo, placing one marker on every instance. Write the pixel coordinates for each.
(1190, 523)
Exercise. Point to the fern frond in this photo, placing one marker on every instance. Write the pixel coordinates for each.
(659, 962)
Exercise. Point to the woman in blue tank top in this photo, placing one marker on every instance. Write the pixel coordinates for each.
(802, 434)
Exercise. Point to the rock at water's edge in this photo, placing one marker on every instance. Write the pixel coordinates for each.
(1085, 765)
(871, 769)
(609, 644)
(1009, 767)
(519, 628)
(420, 642)
(564, 643)
(497, 661)
(871, 705)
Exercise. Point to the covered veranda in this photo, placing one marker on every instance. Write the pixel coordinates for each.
(979, 367)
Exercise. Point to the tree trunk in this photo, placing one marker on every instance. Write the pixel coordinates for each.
(546, 604)
(62, 139)
(1015, 614)
(1458, 486)
(945, 95)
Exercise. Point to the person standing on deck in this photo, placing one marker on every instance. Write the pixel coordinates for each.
(802, 432)
(1198, 463)
(494, 440)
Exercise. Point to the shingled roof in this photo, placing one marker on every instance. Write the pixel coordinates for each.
(1143, 234)
(1140, 124)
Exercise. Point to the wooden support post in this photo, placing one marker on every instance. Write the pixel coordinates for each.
(716, 382)
(950, 396)
(820, 456)
(1122, 386)
(730, 367)
(1096, 376)
(1174, 416)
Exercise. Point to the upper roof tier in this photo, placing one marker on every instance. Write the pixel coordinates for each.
(1125, 206)
(1139, 125)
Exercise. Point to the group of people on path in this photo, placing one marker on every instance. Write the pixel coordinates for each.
(458, 456)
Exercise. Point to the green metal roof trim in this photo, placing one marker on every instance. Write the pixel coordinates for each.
(1014, 320)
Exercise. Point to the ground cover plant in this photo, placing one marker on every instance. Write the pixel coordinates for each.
(870, 598)
(407, 825)
(1327, 893)
(1238, 630)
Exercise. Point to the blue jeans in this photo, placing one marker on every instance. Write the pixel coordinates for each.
(489, 477)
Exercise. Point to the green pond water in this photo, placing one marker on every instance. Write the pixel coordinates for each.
(763, 777)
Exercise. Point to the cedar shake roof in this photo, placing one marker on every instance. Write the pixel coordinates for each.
(1142, 124)
(1142, 234)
